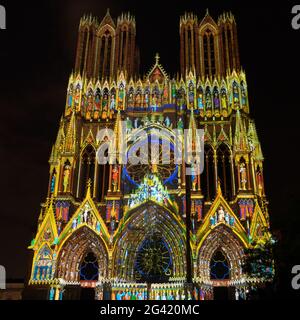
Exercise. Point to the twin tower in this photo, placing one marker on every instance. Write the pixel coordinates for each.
(207, 48)
(143, 231)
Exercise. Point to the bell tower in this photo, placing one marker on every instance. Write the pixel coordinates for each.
(229, 43)
(118, 197)
(125, 44)
(208, 47)
(104, 49)
(189, 49)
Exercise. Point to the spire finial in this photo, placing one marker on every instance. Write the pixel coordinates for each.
(207, 12)
(89, 185)
(157, 57)
(219, 187)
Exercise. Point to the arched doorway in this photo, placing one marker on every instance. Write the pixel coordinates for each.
(75, 249)
(83, 260)
(220, 260)
(151, 247)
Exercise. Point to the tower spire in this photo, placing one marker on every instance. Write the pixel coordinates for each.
(157, 57)
(88, 187)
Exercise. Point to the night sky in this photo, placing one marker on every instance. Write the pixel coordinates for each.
(37, 56)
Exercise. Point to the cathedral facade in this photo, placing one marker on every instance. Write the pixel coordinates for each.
(148, 230)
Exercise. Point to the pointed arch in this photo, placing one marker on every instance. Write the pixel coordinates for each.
(138, 97)
(146, 221)
(200, 97)
(216, 100)
(208, 184)
(83, 48)
(102, 43)
(52, 182)
(224, 170)
(235, 93)
(209, 47)
(229, 45)
(42, 268)
(220, 239)
(87, 168)
(75, 248)
(224, 100)
(123, 46)
(105, 55)
(130, 97)
(208, 101)
(189, 48)
(259, 229)
(93, 220)
(244, 97)
(47, 231)
(97, 104)
(191, 94)
(221, 213)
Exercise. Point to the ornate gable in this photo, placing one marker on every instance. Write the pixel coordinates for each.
(157, 72)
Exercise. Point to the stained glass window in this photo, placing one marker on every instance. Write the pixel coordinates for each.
(153, 261)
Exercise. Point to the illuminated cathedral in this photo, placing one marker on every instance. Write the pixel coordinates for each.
(138, 231)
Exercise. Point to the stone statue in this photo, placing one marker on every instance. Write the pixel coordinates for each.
(53, 182)
(167, 121)
(226, 217)
(243, 175)
(112, 102)
(74, 224)
(115, 177)
(237, 295)
(180, 124)
(200, 100)
(128, 125)
(223, 101)
(221, 215)
(136, 123)
(51, 295)
(85, 214)
(66, 177)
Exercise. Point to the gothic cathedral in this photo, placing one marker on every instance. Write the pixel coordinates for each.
(146, 230)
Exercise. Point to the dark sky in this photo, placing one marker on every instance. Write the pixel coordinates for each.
(37, 56)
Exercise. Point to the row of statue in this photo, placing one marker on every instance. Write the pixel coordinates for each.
(110, 100)
(222, 216)
(43, 265)
(137, 123)
(88, 218)
(141, 294)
